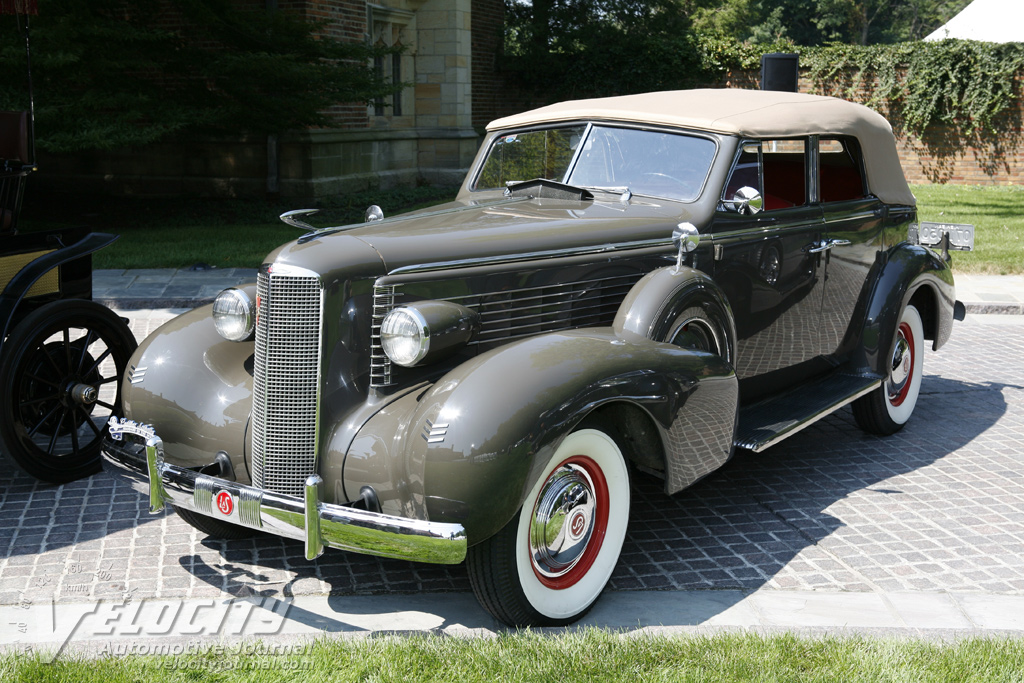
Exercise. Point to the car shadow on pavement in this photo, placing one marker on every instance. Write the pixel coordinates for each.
(831, 509)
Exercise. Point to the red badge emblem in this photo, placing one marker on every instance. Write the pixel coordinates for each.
(224, 503)
(577, 524)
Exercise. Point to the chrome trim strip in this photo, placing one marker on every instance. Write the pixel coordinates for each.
(249, 502)
(533, 256)
(202, 497)
(761, 232)
(852, 217)
(360, 531)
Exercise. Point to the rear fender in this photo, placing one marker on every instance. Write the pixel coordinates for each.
(468, 448)
(907, 274)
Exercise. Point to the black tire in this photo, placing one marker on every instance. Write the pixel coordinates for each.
(885, 410)
(214, 528)
(514, 574)
(60, 378)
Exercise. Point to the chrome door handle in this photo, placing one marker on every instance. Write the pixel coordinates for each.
(825, 245)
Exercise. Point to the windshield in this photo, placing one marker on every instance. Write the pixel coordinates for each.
(647, 162)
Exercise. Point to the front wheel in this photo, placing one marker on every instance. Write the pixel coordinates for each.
(549, 564)
(885, 410)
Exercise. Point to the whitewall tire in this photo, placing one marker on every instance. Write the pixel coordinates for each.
(549, 564)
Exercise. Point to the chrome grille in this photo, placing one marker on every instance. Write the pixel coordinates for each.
(286, 380)
(515, 313)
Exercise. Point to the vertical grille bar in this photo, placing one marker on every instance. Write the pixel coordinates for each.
(380, 364)
(286, 379)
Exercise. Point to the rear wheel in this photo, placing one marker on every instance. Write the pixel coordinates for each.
(60, 382)
(885, 410)
(549, 564)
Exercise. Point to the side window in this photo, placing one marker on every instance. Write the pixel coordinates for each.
(840, 166)
(777, 169)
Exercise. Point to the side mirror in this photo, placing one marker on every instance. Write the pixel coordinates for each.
(373, 213)
(746, 201)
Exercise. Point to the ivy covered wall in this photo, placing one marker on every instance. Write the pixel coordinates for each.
(956, 106)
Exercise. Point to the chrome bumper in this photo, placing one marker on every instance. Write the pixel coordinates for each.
(307, 519)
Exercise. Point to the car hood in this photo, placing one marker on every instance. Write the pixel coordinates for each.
(504, 226)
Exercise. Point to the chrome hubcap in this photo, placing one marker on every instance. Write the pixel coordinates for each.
(563, 521)
(901, 359)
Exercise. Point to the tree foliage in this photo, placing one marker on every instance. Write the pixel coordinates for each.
(580, 48)
(816, 22)
(115, 73)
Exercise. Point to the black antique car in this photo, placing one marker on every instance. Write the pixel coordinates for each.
(61, 354)
(647, 282)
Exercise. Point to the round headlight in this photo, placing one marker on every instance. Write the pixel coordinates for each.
(234, 315)
(405, 336)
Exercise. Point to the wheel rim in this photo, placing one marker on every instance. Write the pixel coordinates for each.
(697, 334)
(901, 367)
(70, 371)
(569, 523)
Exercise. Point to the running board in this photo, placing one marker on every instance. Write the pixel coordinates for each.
(768, 422)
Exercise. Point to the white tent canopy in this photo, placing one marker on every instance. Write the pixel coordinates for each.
(992, 21)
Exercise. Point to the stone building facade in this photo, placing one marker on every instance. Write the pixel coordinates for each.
(424, 134)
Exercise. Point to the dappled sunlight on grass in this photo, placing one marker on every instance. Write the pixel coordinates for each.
(997, 213)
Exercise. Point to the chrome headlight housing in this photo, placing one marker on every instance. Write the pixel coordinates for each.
(234, 315)
(424, 331)
(405, 336)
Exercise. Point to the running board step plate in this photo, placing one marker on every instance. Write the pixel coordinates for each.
(767, 422)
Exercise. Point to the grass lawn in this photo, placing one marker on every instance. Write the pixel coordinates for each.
(997, 214)
(165, 233)
(176, 233)
(566, 658)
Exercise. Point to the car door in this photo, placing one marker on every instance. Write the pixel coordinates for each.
(853, 235)
(764, 234)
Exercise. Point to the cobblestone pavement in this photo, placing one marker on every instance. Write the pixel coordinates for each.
(936, 507)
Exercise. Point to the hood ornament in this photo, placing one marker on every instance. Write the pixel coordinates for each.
(293, 218)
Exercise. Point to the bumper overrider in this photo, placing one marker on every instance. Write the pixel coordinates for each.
(139, 461)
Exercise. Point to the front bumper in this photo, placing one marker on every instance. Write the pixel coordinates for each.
(317, 524)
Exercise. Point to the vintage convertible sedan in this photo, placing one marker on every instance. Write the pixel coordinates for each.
(645, 282)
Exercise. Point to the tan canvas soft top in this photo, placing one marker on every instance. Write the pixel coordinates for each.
(748, 113)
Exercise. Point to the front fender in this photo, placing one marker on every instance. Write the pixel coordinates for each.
(909, 273)
(468, 448)
(195, 388)
(655, 301)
